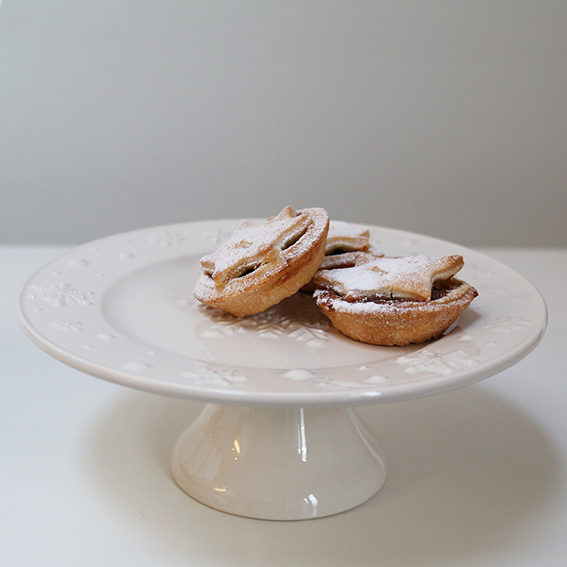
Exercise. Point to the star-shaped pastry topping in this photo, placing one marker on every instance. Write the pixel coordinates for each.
(345, 237)
(410, 277)
(252, 245)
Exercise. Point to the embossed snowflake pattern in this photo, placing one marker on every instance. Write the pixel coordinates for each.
(431, 362)
(66, 325)
(60, 295)
(480, 274)
(269, 324)
(507, 325)
(217, 236)
(206, 375)
(167, 238)
(494, 290)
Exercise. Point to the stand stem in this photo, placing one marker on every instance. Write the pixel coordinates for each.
(278, 463)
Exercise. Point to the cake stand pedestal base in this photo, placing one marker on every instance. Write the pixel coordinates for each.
(278, 463)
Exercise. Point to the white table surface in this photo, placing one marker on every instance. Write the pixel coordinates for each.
(478, 476)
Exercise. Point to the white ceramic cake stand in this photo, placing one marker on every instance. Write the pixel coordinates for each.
(279, 438)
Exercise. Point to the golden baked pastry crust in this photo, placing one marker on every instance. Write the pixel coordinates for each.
(393, 301)
(365, 275)
(345, 237)
(344, 242)
(397, 322)
(262, 264)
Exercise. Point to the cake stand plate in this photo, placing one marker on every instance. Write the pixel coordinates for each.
(278, 438)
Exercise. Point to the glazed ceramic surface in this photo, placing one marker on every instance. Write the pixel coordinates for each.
(121, 308)
(278, 463)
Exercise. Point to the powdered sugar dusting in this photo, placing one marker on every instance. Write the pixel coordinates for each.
(279, 240)
(254, 252)
(410, 277)
(336, 303)
(345, 237)
(252, 245)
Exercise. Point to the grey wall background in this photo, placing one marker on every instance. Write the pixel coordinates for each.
(447, 118)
